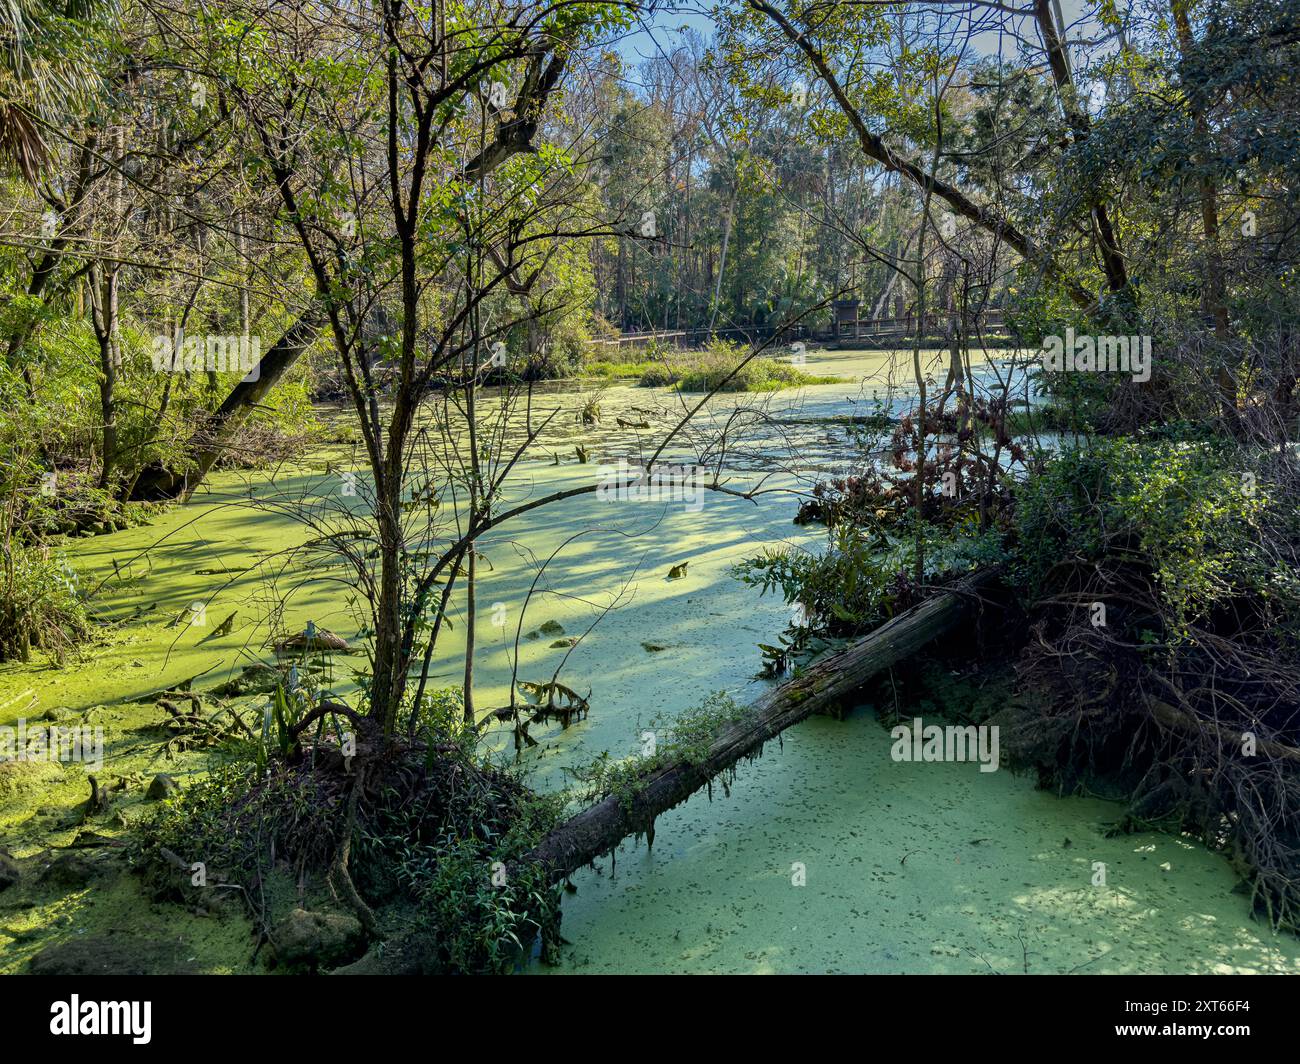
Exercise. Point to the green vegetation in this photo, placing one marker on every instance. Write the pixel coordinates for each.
(684, 738)
(714, 372)
(348, 282)
(40, 607)
(1206, 518)
(716, 367)
(441, 844)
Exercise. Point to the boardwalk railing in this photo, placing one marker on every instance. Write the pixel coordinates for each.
(845, 328)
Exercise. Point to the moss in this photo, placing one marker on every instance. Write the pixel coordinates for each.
(21, 778)
(685, 738)
(106, 953)
(117, 927)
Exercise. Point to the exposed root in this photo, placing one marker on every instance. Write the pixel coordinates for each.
(339, 875)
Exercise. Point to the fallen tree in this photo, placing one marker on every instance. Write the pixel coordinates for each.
(602, 826)
(158, 482)
(599, 828)
(514, 135)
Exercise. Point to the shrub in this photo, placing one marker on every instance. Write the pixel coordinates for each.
(40, 608)
(848, 588)
(1194, 514)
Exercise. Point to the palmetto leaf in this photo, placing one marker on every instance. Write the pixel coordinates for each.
(20, 141)
(46, 72)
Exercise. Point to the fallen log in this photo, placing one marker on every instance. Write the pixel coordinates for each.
(158, 482)
(1171, 717)
(602, 826)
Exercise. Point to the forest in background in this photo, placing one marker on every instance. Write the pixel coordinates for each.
(147, 205)
(219, 219)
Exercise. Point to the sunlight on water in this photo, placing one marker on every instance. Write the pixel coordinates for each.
(910, 867)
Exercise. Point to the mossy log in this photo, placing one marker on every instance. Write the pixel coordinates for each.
(602, 826)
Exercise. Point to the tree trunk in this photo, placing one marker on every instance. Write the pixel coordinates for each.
(157, 483)
(882, 304)
(103, 315)
(388, 682)
(722, 258)
(1212, 293)
(1058, 59)
(598, 829)
(470, 618)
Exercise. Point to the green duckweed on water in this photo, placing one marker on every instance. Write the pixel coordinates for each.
(904, 867)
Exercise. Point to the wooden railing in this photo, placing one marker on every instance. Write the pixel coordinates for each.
(844, 329)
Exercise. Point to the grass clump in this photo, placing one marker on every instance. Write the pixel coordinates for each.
(713, 367)
(40, 606)
(431, 838)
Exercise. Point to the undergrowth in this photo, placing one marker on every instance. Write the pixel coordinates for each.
(436, 834)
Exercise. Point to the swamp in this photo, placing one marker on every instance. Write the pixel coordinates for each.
(600, 488)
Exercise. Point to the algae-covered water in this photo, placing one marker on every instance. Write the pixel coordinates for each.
(906, 867)
(900, 867)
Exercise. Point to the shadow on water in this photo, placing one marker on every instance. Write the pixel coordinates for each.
(910, 867)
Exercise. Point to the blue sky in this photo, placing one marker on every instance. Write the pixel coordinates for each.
(662, 25)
